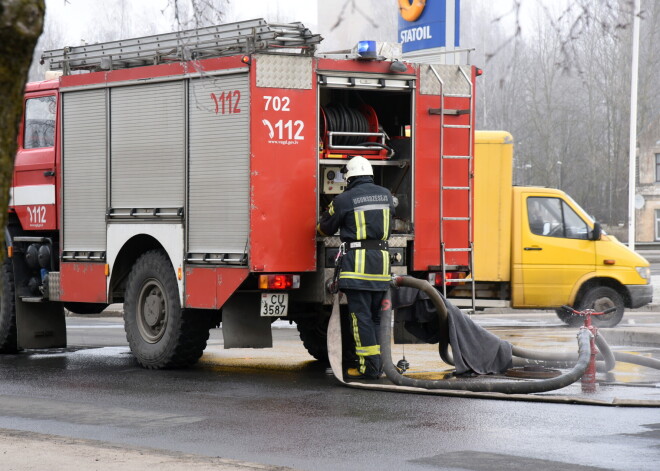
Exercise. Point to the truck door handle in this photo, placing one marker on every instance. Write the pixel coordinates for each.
(533, 248)
(49, 173)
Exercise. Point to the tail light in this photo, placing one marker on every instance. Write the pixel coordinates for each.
(452, 278)
(279, 281)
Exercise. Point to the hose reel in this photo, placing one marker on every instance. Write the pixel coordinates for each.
(348, 130)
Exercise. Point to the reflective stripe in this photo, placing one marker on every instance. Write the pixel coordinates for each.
(32, 194)
(386, 223)
(368, 351)
(364, 225)
(368, 207)
(386, 262)
(358, 344)
(331, 209)
(364, 276)
(360, 226)
(360, 258)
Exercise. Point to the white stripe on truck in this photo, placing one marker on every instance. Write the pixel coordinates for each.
(32, 194)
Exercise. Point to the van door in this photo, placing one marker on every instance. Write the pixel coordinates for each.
(556, 250)
(33, 191)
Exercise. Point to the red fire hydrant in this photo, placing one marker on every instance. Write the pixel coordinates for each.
(589, 376)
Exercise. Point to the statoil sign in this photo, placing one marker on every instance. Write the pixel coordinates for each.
(426, 24)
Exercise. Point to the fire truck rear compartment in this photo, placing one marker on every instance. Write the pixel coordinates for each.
(376, 125)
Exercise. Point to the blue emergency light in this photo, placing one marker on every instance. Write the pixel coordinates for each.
(367, 49)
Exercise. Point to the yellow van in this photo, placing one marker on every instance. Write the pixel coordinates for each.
(537, 248)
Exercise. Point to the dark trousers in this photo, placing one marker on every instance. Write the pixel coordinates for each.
(364, 320)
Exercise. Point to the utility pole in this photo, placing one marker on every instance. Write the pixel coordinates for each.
(633, 128)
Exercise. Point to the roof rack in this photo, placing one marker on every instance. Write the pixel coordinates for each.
(243, 37)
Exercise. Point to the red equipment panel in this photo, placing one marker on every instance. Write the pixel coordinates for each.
(83, 282)
(427, 188)
(432, 174)
(210, 287)
(283, 178)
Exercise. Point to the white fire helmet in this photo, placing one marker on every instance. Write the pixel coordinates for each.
(357, 167)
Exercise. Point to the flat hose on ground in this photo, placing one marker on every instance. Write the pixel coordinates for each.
(489, 385)
(523, 356)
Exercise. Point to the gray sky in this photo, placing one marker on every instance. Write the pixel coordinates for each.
(74, 20)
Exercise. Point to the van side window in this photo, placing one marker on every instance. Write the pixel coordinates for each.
(553, 217)
(39, 129)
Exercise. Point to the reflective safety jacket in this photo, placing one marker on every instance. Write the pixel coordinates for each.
(363, 211)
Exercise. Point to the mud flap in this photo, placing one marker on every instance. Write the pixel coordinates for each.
(40, 325)
(242, 326)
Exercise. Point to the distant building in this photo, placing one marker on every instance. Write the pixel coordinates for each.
(647, 201)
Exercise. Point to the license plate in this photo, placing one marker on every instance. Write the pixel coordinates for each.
(274, 304)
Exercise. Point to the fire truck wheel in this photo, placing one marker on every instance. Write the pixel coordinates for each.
(314, 334)
(159, 332)
(600, 298)
(7, 309)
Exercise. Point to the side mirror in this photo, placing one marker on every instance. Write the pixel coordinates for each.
(597, 231)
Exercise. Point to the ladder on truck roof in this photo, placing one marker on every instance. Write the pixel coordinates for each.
(243, 37)
(466, 190)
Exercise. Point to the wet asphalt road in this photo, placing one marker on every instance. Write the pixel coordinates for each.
(277, 407)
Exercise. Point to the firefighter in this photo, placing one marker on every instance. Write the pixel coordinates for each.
(363, 215)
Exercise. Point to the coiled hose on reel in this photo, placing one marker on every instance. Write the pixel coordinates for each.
(526, 356)
(342, 118)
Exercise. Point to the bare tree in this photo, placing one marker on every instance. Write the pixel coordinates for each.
(21, 23)
(561, 85)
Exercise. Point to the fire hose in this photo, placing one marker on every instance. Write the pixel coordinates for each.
(489, 385)
(525, 356)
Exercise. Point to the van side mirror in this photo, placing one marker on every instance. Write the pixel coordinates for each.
(597, 231)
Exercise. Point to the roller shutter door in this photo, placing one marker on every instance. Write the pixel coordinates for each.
(84, 170)
(148, 145)
(219, 166)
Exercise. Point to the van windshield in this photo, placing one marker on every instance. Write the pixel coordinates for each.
(553, 217)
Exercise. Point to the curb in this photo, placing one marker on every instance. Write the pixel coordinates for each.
(638, 337)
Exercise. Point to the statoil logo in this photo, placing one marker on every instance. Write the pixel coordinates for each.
(411, 10)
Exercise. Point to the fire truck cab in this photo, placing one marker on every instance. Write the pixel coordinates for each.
(183, 174)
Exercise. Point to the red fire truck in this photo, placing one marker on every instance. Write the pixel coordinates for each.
(183, 174)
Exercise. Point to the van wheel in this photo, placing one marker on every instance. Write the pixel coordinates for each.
(600, 298)
(160, 333)
(8, 342)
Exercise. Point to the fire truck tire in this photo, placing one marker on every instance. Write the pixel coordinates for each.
(313, 333)
(160, 333)
(7, 309)
(600, 298)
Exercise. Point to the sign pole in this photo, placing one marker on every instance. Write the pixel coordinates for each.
(632, 157)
